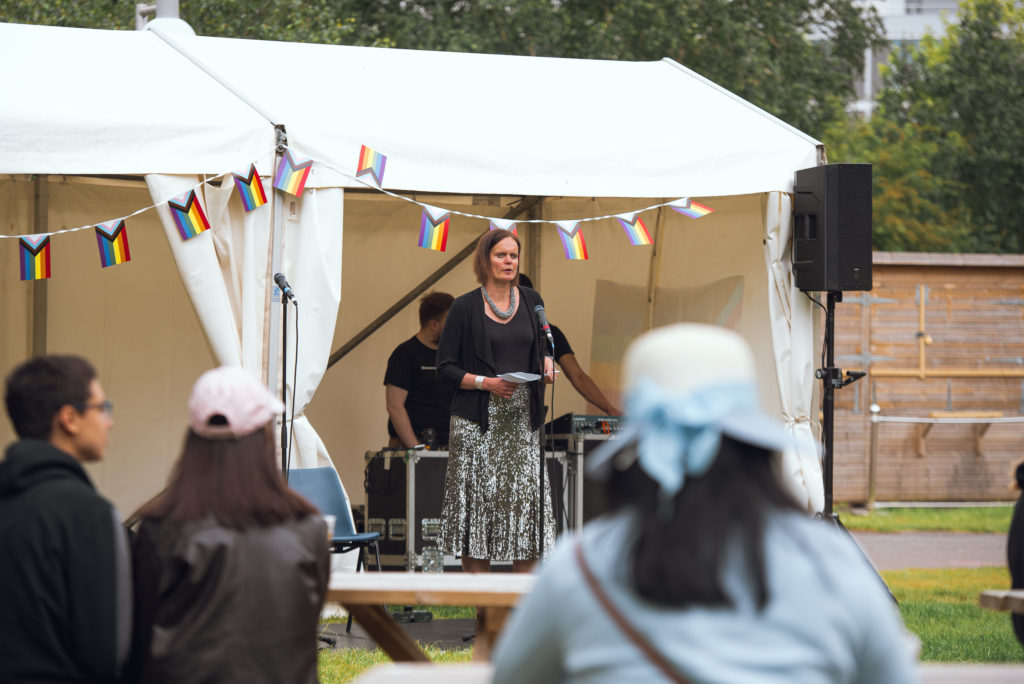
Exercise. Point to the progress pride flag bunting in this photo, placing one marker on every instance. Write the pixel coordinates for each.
(35, 257)
(572, 240)
(434, 228)
(112, 240)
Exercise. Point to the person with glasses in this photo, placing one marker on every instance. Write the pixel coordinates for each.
(65, 582)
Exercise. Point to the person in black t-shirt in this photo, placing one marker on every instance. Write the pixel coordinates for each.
(416, 398)
(578, 378)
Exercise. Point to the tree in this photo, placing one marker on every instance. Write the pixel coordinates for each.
(914, 207)
(961, 95)
(796, 59)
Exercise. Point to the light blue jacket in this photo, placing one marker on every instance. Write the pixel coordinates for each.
(829, 619)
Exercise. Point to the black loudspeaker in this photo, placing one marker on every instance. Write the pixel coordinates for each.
(832, 228)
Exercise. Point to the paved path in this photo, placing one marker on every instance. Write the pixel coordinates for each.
(899, 550)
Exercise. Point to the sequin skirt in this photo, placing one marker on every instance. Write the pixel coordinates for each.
(490, 494)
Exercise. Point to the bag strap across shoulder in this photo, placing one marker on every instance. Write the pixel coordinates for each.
(645, 646)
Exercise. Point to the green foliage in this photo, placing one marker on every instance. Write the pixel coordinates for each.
(947, 139)
(797, 59)
(793, 58)
(941, 608)
(100, 14)
(915, 189)
(986, 519)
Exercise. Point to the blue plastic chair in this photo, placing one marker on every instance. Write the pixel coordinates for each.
(322, 487)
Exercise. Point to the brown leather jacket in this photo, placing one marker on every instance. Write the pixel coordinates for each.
(214, 604)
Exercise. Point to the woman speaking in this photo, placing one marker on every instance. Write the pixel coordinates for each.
(491, 496)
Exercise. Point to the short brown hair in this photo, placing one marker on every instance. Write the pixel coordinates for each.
(39, 387)
(434, 305)
(235, 481)
(482, 256)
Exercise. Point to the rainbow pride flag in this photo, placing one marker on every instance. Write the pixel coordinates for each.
(250, 189)
(292, 173)
(434, 228)
(35, 257)
(635, 229)
(371, 163)
(188, 215)
(112, 239)
(504, 224)
(691, 209)
(572, 239)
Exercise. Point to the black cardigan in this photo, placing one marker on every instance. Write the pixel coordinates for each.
(464, 349)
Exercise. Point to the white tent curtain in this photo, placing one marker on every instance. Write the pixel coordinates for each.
(312, 264)
(794, 355)
(227, 274)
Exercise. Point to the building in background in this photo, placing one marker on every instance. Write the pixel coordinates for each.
(905, 22)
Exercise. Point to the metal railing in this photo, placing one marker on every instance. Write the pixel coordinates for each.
(981, 421)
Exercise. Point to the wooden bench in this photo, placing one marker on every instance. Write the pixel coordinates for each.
(493, 594)
(1010, 600)
(406, 673)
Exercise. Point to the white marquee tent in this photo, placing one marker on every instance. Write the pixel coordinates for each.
(98, 125)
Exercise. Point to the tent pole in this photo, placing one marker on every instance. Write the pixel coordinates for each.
(272, 338)
(655, 270)
(533, 246)
(415, 292)
(230, 87)
(38, 291)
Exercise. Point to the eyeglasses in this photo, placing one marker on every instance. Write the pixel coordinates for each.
(106, 406)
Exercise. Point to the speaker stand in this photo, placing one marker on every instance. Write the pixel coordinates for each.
(832, 379)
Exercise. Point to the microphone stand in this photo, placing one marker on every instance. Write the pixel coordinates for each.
(284, 385)
(543, 465)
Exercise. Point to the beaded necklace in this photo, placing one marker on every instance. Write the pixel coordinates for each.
(503, 315)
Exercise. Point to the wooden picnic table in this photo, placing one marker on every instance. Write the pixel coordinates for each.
(1011, 600)
(404, 673)
(364, 596)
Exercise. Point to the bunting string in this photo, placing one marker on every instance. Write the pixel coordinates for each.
(291, 175)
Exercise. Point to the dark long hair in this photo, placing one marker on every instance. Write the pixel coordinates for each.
(235, 481)
(680, 553)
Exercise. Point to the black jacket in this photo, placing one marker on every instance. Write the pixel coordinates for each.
(64, 575)
(215, 604)
(1015, 552)
(464, 349)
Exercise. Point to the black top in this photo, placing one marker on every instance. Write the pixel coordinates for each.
(65, 593)
(465, 349)
(1015, 552)
(510, 342)
(412, 366)
(561, 343)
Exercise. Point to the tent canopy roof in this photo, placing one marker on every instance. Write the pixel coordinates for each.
(165, 101)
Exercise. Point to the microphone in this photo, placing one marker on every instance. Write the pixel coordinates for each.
(542, 317)
(286, 289)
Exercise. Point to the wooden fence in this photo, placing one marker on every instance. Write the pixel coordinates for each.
(940, 336)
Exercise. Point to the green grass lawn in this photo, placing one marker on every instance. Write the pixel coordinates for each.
(995, 519)
(941, 608)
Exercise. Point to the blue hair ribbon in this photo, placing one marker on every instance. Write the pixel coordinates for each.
(679, 434)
